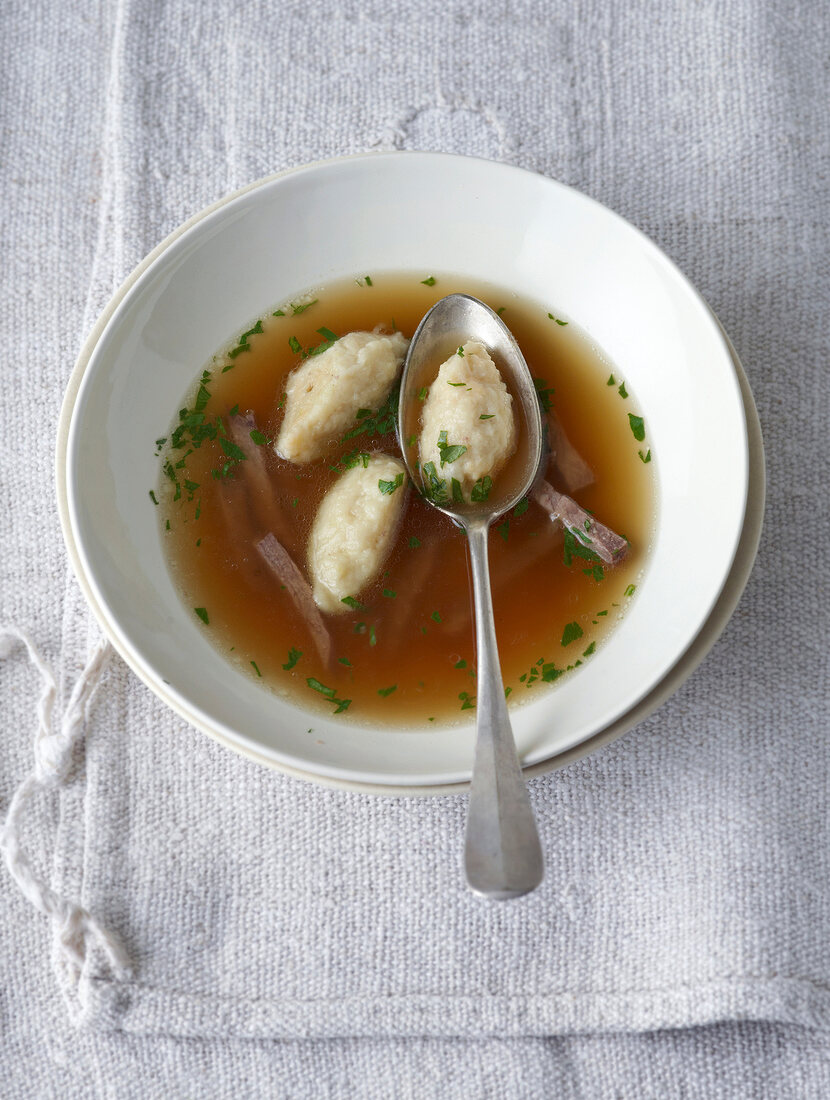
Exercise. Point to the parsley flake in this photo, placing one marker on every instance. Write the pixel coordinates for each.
(449, 452)
(638, 429)
(430, 281)
(301, 308)
(354, 604)
(481, 490)
(389, 487)
(202, 613)
(571, 632)
(387, 691)
(315, 685)
(293, 656)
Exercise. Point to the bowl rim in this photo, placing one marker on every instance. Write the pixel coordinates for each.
(722, 606)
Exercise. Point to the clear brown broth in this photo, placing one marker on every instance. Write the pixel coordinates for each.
(421, 639)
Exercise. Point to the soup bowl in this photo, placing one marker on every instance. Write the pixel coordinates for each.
(392, 212)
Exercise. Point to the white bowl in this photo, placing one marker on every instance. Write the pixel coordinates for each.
(387, 212)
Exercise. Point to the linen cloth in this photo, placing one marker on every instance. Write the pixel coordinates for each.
(298, 941)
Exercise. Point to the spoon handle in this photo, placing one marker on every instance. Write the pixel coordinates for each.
(502, 853)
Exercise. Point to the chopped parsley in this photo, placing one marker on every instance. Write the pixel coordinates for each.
(544, 392)
(389, 487)
(596, 571)
(295, 345)
(293, 656)
(521, 508)
(611, 380)
(449, 452)
(414, 542)
(645, 457)
(436, 618)
(638, 428)
(572, 548)
(381, 422)
(352, 459)
(153, 497)
(460, 664)
(350, 601)
(300, 309)
(345, 661)
(504, 529)
(330, 693)
(373, 638)
(435, 487)
(481, 490)
(460, 351)
(591, 648)
(422, 392)
(468, 701)
(486, 416)
(383, 692)
(390, 593)
(315, 685)
(258, 437)
(501, 310)
(457, 495)
(622, 391)
(571, 632)
(256, 669)
(430, 281)
(552, 318)
(202, 613)
(632, 588)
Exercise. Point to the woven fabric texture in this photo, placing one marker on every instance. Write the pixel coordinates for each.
(313, 942)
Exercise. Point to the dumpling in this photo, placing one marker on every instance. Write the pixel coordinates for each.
(354, 530)
(324, 395)
(467, 424)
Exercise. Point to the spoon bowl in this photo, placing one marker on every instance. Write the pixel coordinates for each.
(502, 853)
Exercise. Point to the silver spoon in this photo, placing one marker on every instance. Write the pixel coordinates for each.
(502, 853)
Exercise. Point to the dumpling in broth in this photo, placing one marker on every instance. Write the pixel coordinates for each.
(324, 395)
(354, 530)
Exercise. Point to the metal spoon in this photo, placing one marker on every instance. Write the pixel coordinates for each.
(502, 853)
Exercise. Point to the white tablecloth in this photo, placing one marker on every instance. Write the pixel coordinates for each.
(294, 941)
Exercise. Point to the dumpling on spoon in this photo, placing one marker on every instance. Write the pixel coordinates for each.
(468, 427)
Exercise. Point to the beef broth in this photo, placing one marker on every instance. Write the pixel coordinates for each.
(403, 651)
